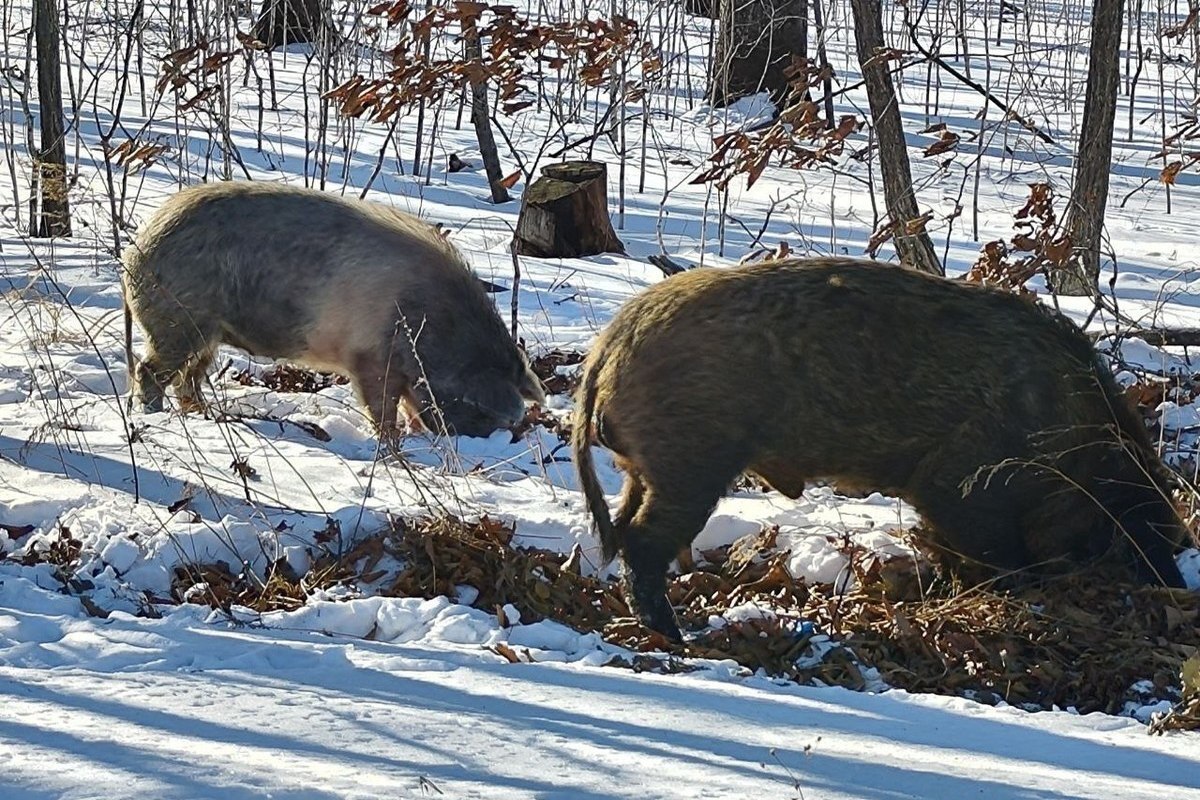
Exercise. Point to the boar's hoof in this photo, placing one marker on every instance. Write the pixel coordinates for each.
(1158, 567)
(649, 604)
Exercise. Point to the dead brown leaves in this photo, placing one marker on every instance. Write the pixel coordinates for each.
(1079, 641)
(1185, 715)
(135, 156)
(1179, 31)
(193, 73)
(1174, 143)
(1039, 245)
(61, 551)
(799, 138)
(291, 378)
(887, 229)
(883, 55)
(440, 554)
(220, 585)
(546, 367)
(583, 50)
(947, 141)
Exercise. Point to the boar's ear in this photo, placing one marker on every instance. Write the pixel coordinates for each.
(491, 288)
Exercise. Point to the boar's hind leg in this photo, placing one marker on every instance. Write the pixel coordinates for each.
(661, 525)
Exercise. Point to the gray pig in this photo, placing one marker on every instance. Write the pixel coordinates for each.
(344, 285)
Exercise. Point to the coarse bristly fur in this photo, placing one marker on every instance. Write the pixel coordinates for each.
(346, 285)
(990, 414)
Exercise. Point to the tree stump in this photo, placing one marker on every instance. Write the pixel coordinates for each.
(564, 213)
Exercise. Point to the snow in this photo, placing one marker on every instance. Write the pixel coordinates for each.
(302, 705)
(355, 695)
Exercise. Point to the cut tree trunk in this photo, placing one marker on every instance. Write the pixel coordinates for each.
(283, 22)
(914, 248)
(1089, 195)
(754, 47)
(54, 217)
(564, 213)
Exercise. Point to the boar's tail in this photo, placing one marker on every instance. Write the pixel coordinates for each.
(581, 446)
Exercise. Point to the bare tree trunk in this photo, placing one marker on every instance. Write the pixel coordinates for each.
(54, 218)
(1089, 195)
(480, 118)
(823, 61)
(754, 47)
(283, 22)
(914, 248)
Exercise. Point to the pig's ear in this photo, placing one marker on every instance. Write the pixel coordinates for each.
(530, 387)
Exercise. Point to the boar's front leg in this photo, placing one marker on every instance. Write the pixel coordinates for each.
(173, 356)
(781, 475)
(381, 383)
(189, 385)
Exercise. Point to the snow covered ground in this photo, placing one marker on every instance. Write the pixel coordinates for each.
(398, 697)
(184, 707)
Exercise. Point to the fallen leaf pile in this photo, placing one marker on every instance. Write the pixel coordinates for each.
(1080, 641)
(290, 378)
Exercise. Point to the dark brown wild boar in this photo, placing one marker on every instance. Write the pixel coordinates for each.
(991, 415)
(345, 285)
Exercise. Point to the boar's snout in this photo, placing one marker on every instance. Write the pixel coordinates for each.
(485, 403)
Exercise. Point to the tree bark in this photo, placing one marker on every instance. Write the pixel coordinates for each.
(1089, 195)
(564, 213)
(282, 22)
(754, 47)
(479, 115)
(54, 217)
(915, 249)
(823, 61)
